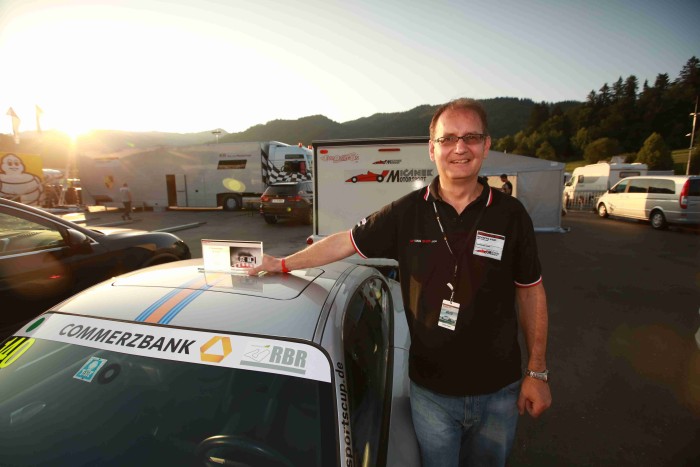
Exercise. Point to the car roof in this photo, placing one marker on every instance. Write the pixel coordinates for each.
(183, 294)
(286, 183)
(678, 178)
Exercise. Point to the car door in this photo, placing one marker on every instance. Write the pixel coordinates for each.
(636, 199)
(615, 198)
(38, 257)
(367, 341)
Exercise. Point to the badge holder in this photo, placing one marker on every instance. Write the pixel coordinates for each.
(449, 311)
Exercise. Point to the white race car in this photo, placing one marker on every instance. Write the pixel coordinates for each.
(173, 365)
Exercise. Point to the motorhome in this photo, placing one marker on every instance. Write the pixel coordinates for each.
(228, 175)
(590, 181)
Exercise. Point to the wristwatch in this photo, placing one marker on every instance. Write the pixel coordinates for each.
(542, 376)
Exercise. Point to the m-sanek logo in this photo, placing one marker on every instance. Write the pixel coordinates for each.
(275, 357)
(394, 176)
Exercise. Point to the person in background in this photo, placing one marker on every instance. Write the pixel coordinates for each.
(507, 187)
(71, 196)
(125, 194)
(467, 254)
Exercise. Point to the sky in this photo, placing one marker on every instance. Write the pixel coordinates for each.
(197, 65)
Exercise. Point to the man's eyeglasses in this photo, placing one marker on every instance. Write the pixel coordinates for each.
(469, 138)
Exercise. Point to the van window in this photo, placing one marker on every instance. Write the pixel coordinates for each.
(667, 187)
(226, 164)
(589, 179)
(638, 186)
(694, 188)
(283, 190)
(620, 187)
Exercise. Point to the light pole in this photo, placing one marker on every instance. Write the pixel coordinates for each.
(218, 132)
(692, 136)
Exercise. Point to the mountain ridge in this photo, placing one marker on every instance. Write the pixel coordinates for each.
(507, 116)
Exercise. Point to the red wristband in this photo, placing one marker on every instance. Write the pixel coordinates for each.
(284, 267)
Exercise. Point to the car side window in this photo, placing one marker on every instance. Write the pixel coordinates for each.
(667, 187)
(638, 186)
(21, 235)
(366, 343)
(620, 187)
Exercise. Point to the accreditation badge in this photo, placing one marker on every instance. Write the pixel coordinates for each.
(448, 315)
(489, 245)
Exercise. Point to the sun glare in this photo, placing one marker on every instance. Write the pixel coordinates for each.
(74, 133)
(71, 126)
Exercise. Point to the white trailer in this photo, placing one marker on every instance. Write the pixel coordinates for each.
(591, 180)
(228, 175)
(357, 177)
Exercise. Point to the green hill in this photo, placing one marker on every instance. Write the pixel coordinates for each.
(507, 116)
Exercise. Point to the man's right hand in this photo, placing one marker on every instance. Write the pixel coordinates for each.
(332, 248)
(269, 264)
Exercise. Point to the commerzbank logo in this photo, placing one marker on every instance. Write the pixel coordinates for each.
(215, 349)
(275, 357)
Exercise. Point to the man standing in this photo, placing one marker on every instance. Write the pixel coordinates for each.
(459, 289)
(125, 194)
(507, 187)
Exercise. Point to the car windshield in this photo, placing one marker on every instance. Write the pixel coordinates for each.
(283, 190)
(75, 404)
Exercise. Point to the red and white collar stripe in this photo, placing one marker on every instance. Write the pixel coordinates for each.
(488, 201)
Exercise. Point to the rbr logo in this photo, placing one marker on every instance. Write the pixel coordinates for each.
(288, 357)
(276, 357)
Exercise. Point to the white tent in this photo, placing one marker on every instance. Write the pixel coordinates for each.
(537, 183)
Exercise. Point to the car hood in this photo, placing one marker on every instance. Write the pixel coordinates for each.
(116, 231)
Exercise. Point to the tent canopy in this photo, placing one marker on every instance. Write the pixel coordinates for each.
(537, 184)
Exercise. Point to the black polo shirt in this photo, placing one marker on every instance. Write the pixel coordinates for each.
(493, 245)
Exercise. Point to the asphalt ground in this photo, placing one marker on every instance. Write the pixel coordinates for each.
(623, 307)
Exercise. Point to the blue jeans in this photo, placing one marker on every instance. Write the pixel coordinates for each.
(465, 431)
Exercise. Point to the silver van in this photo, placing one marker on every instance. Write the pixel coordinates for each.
(660, 199)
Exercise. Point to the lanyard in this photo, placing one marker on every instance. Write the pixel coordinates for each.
(444, 236)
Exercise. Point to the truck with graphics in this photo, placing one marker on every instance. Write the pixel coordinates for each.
(227, 175)
(357, 177)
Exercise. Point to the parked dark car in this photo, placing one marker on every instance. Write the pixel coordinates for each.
(44, 256)
(288, 200)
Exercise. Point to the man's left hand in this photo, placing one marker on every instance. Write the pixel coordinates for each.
(534, 397)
